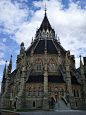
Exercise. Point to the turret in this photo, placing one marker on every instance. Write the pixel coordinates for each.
(3, 80)
(32, 51)
(8, 72)
(68, 76)
(59, 54)
(82, 75)
(10, 65)
(22, 50)
(4, 71)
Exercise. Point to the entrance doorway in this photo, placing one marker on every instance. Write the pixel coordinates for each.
(10, 103)
(56, 95)
(33, 104)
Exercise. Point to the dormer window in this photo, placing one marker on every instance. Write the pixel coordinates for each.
(47, 34)
(52, 67)
(38, 65)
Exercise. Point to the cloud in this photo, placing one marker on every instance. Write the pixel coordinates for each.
(3, 39)
(17, 51)
(12, 15)
(2, 62)
(2, 54)
(3, 47)
(21, 23)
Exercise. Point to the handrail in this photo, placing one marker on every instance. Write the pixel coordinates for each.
(77, 77)
(61, 70)
(27, 76)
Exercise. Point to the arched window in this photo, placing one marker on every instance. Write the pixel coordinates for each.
(62, 92)
(34, 91)
(53, 68)
(30, 91)
(50, 91)
(74, 93)
(38, 65)
(77, 93)
(52, 65)
(39, 92)
(43, 34)
(47, 34)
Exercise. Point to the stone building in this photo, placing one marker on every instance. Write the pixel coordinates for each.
(45, 75)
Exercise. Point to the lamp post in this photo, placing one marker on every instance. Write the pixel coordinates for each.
(67, 94)
(15, 102)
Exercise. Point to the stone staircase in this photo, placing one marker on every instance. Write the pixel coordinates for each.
(60, 105)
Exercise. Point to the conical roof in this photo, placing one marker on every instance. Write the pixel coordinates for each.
(45, 25)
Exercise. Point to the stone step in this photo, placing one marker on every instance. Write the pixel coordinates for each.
(60, 105)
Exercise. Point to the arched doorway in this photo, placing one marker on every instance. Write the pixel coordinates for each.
(56, 95)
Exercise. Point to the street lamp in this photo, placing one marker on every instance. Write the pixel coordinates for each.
(15, 102)
(67, 94)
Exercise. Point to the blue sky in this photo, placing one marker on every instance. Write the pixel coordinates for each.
(19, 20)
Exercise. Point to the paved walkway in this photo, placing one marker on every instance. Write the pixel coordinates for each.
(59, 112)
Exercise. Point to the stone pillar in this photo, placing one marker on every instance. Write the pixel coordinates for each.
(3, 80)
(82, 75)
(6, 95)
(45, 101)
(21, 94)
(59, 54)
(68, 76)
(32, 51)
(83, 88)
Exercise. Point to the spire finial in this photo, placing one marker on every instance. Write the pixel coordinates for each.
(45, 8)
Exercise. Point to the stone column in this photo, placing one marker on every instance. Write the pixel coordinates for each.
(83, 88)
(59, 54)
(32, 51)
(45, 101)
(21, 94)
(6, 95)
(68, 76)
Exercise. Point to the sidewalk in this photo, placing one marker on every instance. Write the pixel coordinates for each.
(8, 112)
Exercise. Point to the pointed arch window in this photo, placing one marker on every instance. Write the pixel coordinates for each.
(47, 34)
(52, 67)
(38, 65)
(43, 34)
(30, 91)
(34, 91)
(39, 92)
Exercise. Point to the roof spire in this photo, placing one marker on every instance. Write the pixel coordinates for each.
(45, 8)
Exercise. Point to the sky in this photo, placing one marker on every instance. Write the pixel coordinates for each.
(20, 19)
